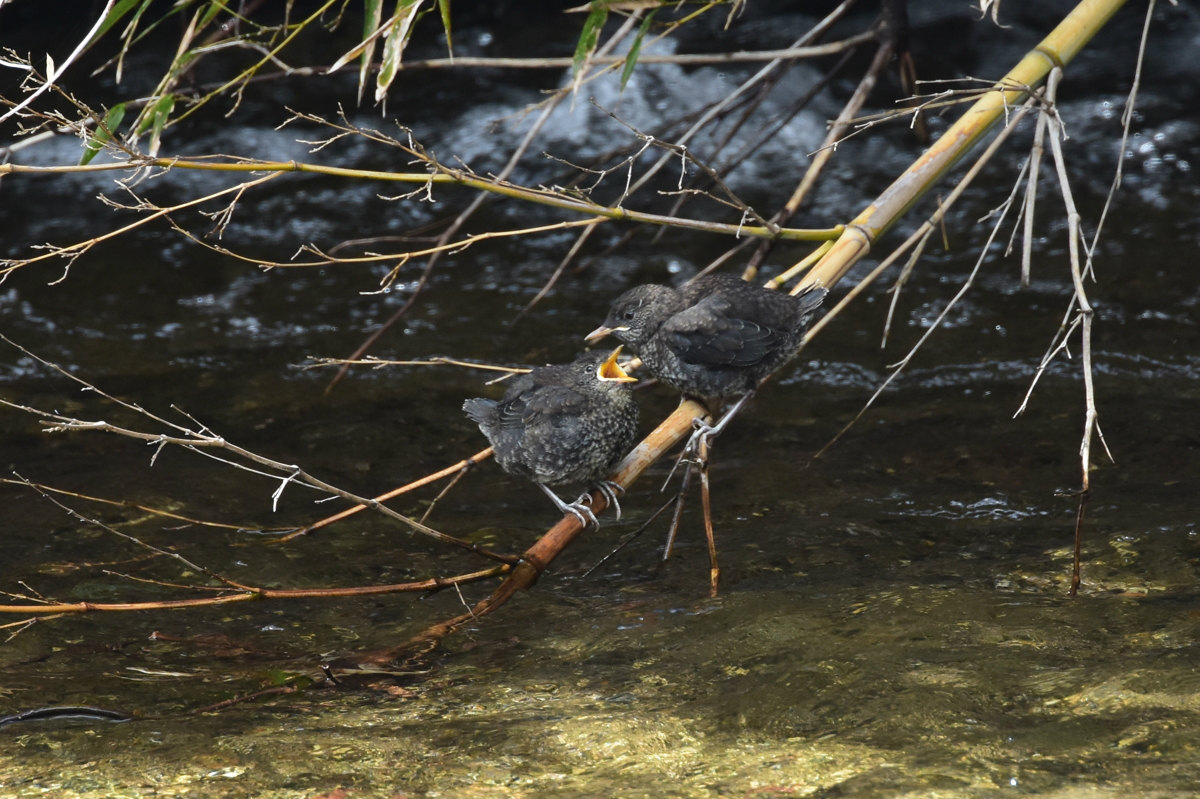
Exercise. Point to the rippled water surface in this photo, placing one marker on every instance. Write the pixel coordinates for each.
(893, 618)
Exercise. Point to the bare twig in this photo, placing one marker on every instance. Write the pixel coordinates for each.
(454, 469)
(124, 503)
(201, 440)
(1091, 424)
(913, 241)
(53, 73)
(316, 362)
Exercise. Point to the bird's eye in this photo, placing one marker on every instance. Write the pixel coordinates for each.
(628, 314)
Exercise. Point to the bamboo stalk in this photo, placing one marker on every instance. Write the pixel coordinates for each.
(1057, 49)
(444, 176)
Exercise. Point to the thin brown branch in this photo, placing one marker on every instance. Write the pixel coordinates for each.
(316, 362)
(682, 59)
(836, 132)
(124, 503)
(514, 159)
(51, 79)
(456, 468)
(254, 594)
(71, 252)
(135, 540)
(1091, 424)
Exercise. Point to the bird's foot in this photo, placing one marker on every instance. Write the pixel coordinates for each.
(703, 433)
(578, 508)
(611, 490)
(695, 452)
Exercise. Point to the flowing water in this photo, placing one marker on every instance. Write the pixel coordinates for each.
(894, 617)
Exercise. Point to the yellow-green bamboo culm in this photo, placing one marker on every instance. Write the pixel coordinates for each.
(1057, 49)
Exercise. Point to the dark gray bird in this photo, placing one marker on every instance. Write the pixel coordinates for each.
(717, 337)
(566, 424)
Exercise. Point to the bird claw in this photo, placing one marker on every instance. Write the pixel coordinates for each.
(696, 450)
(610, 490)
(578, 508)
(691, 453)
(702, 433)
(582, 512)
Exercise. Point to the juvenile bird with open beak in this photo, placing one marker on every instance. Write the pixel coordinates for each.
(563, 424)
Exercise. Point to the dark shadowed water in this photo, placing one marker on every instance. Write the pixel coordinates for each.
(894, 617)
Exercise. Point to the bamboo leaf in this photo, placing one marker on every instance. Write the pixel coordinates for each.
(214, 7)
(395, 37)
(353, 53)
(590, 35)
(635, 49)
(105, 132)
(128, 36)
(373, 14)
(444, 8)
(118, 11)
(158, 120)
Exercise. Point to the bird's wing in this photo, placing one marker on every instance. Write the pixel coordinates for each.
(531, 407)
(705, 334)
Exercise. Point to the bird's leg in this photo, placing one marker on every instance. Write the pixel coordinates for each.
(702, 430)
(577, 509)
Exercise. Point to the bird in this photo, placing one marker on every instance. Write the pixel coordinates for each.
(563, 424)
(715, 338)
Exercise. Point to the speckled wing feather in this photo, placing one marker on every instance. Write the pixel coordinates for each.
(705, 334)
(531, 407)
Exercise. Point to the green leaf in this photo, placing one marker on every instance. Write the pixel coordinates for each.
(158, 119)
(635, 49)
(105, 132)
(157, 116)
(154, 118)
(214, 7)
(372, 15)
(590, 34)
(444, 8)
(397, 35)
(118, 11)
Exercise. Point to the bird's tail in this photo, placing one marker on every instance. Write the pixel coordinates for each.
(480, 409)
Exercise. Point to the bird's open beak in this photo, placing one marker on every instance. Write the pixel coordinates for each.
(611, 370)
(600, 333)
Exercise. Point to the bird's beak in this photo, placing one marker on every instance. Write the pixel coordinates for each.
(601, 332)
(611, 370)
